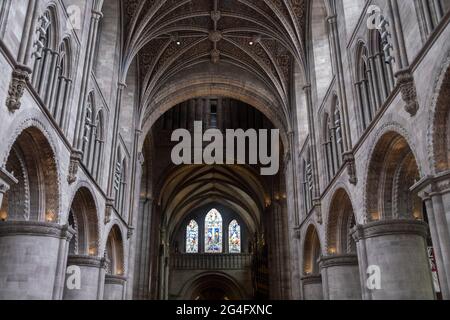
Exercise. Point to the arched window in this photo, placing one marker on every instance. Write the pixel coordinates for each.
(98, 143)
(337, 130)
(192, 237)
(59, 92)
(365, 87)
(44, 51)
(234, 237)
(382, 66)
(213, 232)
(88, 124)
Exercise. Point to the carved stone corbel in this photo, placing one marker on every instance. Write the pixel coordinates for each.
(405, 80)
(75, 160)
(109, 207)
(130, 232)
(20, 77)
(297, 233)
(349, 160)
(317, 204)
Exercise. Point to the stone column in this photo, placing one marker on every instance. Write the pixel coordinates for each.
(93, 271)
(30, 253)
(435, 191)
(114, 287)
(398, 249)
(312, 287)
(340, 273)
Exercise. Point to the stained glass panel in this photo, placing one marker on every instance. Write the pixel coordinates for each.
(192, 237)
(234, 237)
(213, 232)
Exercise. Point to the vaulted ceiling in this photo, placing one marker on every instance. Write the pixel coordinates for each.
(261, 37)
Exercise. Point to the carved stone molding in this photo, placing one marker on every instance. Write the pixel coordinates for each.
(111, 279)
(405, 80)
(75, 160)
(312, 279)
(390, 227)
(109, 207)
(317, 204)
(432, 185)
(20, 77)
(33, 228)
(86, 261)
(297, 232)
(349, 160)
(130, 232)
(339, 260)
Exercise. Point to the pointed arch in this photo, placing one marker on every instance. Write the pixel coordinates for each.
(213, 232)
(234, 237)
(192, 237)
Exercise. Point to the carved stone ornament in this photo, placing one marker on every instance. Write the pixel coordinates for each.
(109, 207)
(405, 79)
(75, 160)
(20, 77)
(318, 210)
(349, 160)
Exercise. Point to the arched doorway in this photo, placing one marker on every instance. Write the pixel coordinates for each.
(213, 287)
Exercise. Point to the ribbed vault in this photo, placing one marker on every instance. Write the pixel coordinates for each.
(260, 37)
(190, 187)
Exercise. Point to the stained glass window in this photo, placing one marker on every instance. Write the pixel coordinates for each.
(192, 237)
(234, 237)
(213, 232)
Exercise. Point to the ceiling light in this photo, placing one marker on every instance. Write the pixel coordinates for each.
(251, 43)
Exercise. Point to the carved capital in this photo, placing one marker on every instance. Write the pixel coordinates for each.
(20, 77)
(349, 160)
(75, 160)
(297, 233)
(109, 207)
(6, 180)
(130, 232)
(317, 204)
(405, 80)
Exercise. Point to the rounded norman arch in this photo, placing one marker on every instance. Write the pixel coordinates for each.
(35, 196)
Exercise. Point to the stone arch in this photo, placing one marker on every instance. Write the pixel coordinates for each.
(440, 122)
(35, 196)
(196, 84)
(114, 252)
(216, 284)
(83, 218)
(312, 251)
(341, 220)
(392, 171)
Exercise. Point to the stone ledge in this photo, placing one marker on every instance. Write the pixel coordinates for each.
(33, 228)
(86, 261)
(112, 279)
(390, 227)
(339, 260)
(312, 279)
